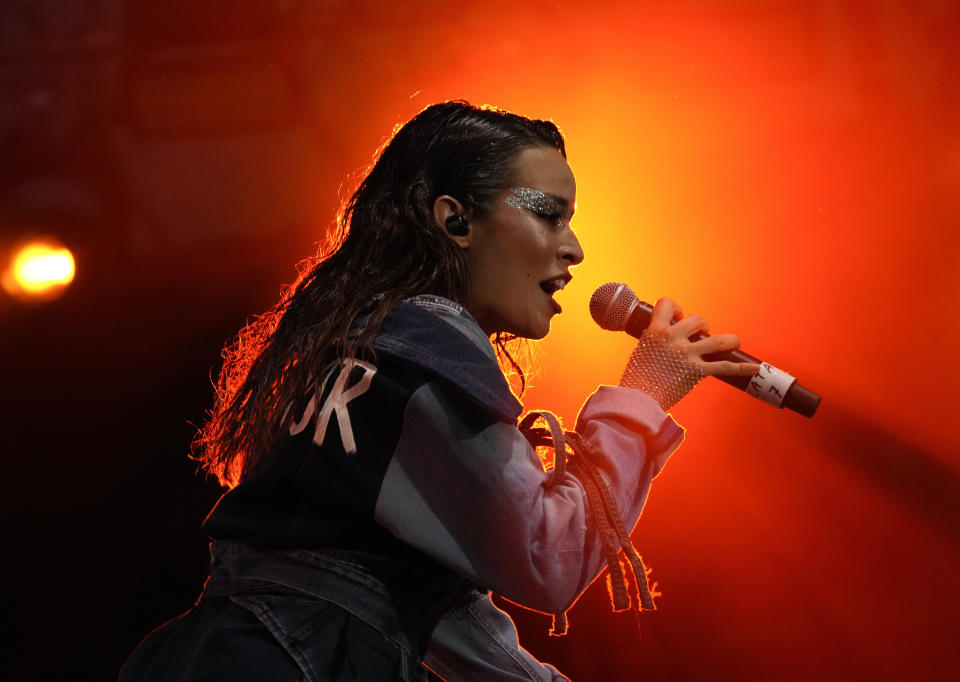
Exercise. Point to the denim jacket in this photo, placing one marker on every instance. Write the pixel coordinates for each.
(438, 500)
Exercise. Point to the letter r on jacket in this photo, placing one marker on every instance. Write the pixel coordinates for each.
(337, 401)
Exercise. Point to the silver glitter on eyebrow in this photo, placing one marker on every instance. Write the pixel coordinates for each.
(534, 200)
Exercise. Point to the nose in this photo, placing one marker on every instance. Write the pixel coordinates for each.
(570, 249)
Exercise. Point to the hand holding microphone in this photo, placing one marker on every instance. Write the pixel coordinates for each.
(675, 352)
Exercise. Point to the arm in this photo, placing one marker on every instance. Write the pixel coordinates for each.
(469, 490)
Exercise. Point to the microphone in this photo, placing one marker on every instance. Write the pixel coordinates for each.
(614, 306)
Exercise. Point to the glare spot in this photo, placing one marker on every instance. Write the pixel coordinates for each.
(39, 270)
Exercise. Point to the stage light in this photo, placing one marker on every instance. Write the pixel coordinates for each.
(39, 270)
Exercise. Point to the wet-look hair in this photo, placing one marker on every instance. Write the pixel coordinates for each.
(386, 246)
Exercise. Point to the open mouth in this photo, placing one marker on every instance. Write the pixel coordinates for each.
(552, 286)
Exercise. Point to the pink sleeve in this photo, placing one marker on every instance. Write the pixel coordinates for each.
(469, 490)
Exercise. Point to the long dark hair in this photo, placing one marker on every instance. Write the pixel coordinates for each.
(386, 247)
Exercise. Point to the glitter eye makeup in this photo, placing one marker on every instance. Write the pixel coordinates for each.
(539, 203)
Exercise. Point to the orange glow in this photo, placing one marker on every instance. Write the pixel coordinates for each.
(39, 270)
(788, 172)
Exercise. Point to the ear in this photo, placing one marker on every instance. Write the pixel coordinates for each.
(444, 208)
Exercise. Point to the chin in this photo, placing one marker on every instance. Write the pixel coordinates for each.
(539, 334)
(534, 325)
(534, 332)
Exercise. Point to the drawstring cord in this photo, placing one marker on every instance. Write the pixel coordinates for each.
(580, 462)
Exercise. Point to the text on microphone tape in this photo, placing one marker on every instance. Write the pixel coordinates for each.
(770, 384)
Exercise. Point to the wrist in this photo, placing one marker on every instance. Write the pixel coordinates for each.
(660, 370)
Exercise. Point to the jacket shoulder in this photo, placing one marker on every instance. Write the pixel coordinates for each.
(423, 337)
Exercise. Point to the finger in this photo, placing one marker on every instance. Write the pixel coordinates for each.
(688, 326)
(714, 344)
(664, 311)
(725, 368)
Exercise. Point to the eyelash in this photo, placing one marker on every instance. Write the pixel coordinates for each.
(551, 217)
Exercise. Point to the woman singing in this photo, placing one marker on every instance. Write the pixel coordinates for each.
(379, 484)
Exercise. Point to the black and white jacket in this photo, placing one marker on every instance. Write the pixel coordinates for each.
(412, 472)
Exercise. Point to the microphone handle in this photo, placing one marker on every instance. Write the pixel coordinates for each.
(799, 399)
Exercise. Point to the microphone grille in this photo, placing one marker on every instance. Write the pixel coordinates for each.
(611, 304)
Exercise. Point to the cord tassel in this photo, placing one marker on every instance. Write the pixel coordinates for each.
(614, 536)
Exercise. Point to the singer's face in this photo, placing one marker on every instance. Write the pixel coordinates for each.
(519, 253)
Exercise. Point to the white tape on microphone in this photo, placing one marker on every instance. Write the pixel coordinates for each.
(770, 384)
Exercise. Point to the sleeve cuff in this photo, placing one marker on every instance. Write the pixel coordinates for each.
(639, 413)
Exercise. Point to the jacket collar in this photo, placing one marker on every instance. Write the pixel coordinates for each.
(442, 338)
